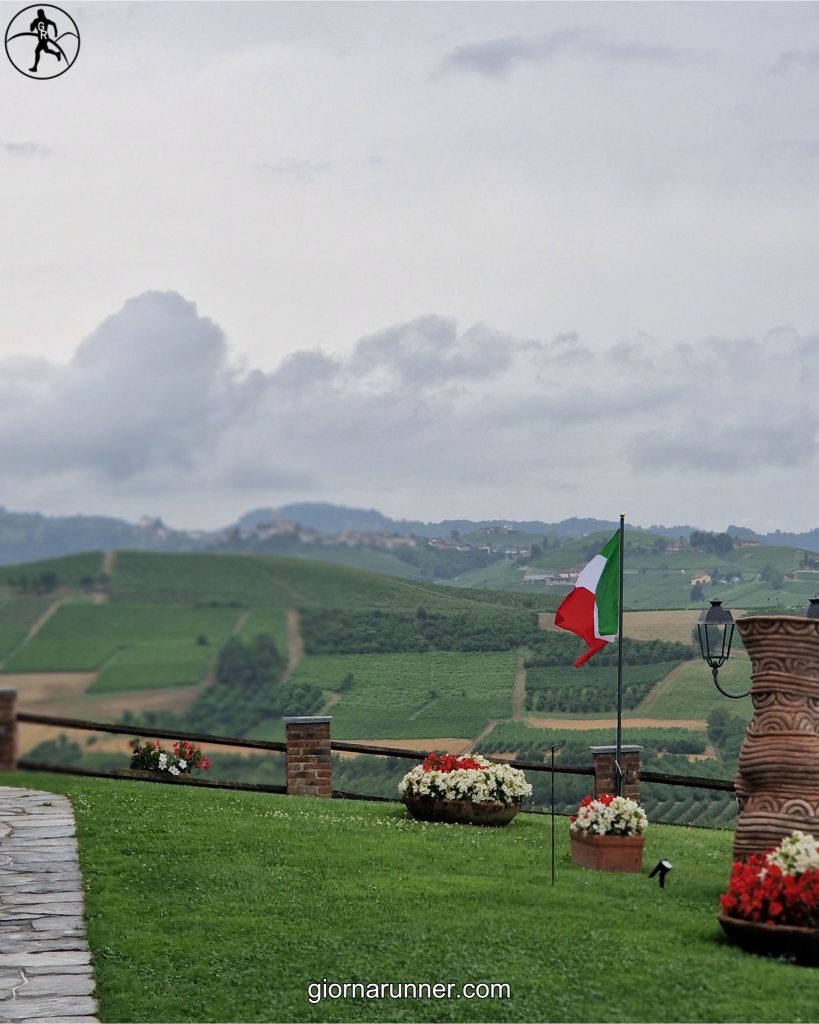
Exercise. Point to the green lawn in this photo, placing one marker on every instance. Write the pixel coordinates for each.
(80, 637)
(214, 906)
(390, 695)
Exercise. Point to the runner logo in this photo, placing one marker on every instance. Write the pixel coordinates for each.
(42, 42)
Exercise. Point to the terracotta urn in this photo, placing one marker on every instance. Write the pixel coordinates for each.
(607, 853)
(460, 812)
(778, 781)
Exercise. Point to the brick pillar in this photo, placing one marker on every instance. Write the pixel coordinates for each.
(8, 730)
(603, 761)
(309, 769)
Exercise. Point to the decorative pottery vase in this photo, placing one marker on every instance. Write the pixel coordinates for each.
(799, 944)
(608, 853)
(778, 781)
(460, 812)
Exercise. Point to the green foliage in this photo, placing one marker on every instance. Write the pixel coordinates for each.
(247, 690)
(59, 751)
(382, 632)
(726, 732)
(69, 571)
(555, 648)
(715, 543)
(390, 697)
(590, 689)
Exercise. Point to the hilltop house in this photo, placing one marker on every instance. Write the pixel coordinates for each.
(702, 578)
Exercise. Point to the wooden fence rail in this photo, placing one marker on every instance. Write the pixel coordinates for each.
(688, 781)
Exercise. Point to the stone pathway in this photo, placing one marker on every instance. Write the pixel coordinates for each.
(45, 965)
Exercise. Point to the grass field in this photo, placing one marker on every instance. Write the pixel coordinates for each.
(390, 696)
(513, 735)
(690, 693)
(233, 915)
(272, 621)
(272, 582)
(80, 637)
(69, 570)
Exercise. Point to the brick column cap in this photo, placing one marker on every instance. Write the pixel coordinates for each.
(5, 690)
(313, 720)
(625, 748)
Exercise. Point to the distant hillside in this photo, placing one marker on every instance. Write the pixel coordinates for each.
(27, 536)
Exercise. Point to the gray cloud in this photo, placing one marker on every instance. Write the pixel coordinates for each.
(300, 170)
(151, 403)
(496, 58)
(24, 149)
(790, 59)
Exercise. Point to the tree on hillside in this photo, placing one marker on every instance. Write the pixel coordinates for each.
(696, 593)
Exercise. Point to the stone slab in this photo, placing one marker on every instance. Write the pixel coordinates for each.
(47, 1007)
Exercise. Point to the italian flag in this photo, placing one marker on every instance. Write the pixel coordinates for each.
(591, 609)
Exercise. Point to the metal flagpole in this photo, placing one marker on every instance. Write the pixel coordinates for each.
(618, 771)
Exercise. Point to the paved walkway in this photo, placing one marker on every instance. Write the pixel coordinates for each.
(45, 965)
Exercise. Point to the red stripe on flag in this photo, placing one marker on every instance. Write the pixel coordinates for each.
(576, 613)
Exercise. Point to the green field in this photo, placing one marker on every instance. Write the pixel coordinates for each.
(272, 621)
(390, 695)
(81, 637)
(690, 693)
(271, 582)
(207, 906)
(69, 570)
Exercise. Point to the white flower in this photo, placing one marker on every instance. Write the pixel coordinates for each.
(183, 764)
(796, 853)
(173, 770)
(488, 784)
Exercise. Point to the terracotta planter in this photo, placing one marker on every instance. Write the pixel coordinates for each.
(460, 812)
(608, 853)
(799, 944)
(778, 781)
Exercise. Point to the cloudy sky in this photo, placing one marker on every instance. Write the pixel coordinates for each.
(443, 259)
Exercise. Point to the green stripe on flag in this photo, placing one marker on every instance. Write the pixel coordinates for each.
(607, 593)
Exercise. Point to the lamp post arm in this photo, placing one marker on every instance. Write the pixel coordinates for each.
(725, 693)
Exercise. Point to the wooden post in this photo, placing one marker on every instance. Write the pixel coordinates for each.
(309, 767)
(8, 730)
(604, 773)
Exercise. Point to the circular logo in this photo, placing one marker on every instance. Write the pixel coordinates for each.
(42, 42)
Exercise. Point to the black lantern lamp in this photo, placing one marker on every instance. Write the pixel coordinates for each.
(716, 631)
(812, 611)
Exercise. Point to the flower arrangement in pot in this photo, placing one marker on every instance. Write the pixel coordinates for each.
(607, 833)
(771, 906)
(466, 790)
(180, 760)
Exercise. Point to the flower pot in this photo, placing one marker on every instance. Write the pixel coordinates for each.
(151, 775)
(608, 853)
(764, 939)
(460, 812)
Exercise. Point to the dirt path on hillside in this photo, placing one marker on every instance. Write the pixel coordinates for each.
(33, 631)
(295, 642)
(490, 725)
(650, 699)
(519, 693)
(108, 560)
(697, 724)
